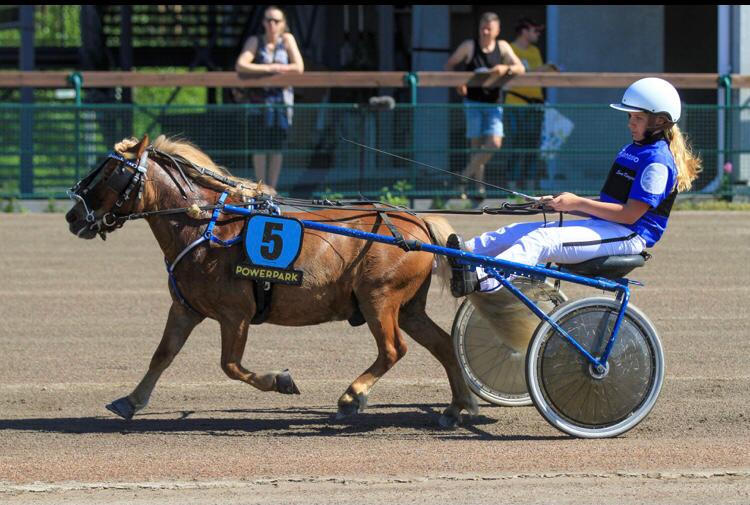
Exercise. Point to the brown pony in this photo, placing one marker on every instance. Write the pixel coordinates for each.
(344, 278)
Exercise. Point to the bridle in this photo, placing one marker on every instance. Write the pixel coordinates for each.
(129, 177)
(125, 179)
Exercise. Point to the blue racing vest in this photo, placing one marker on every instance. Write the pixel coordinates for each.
(645, 172)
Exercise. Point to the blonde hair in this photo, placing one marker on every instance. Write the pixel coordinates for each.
(689, 164)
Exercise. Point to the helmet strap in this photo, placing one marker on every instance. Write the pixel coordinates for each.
(655, 132)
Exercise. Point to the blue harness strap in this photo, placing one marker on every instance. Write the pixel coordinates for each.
(209, 233)
(262, 295)
(170, 272)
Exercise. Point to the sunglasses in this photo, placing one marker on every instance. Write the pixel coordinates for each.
(273, 20)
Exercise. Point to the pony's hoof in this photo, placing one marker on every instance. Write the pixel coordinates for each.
(449, 421)
(123, 408)
(451, 417)
(356, 406)
(346, 411)
(285, 384)
(361, 402)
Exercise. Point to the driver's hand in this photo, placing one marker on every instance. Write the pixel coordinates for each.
(565, 202)
(543, 203)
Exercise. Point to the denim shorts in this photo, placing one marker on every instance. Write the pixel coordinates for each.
(483, 119)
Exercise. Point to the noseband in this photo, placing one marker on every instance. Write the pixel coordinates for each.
(123, 182)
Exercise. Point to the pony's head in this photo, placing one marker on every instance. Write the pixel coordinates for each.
(110, 191)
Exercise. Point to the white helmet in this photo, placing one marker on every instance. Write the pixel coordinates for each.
(651, 95)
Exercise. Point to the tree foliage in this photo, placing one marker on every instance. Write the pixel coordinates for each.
(54, 26)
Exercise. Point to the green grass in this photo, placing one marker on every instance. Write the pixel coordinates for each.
(717, 204)
(53, 207)
(12, 206)
(398, 195)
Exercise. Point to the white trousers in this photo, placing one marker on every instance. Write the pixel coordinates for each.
(533, 243)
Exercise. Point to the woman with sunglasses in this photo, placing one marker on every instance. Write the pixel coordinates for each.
(275, 51)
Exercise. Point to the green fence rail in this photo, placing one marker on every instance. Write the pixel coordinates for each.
(546, 148)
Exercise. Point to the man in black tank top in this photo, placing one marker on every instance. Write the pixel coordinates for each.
(484, 116)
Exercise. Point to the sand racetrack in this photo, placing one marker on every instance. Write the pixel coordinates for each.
(79, 321)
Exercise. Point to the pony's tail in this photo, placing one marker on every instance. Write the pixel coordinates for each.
(440, 229)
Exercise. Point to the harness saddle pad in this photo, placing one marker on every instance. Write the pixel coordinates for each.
(272, 244)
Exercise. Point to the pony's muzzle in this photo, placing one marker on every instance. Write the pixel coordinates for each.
(79, 225)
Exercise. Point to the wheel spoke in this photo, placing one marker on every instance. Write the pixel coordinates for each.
(494, 370)
(576, 400)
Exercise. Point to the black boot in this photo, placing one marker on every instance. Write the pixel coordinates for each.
(464, 280)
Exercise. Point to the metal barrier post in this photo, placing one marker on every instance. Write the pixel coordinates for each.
(27, 102)
(725, 82)
(411, 79)
(363, 136)
(77, 81)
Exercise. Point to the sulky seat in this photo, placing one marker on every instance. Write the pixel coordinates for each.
(609, 267)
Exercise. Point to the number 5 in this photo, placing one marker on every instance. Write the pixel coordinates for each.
(272, 241)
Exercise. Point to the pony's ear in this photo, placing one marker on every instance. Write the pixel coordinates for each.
(141, 146)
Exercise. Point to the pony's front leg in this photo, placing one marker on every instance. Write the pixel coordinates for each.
(180, 324)
(233, 339)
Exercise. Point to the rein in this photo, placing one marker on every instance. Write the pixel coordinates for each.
(110, 219)
(526, 208)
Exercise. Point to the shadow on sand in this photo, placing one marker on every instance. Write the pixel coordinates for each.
(409, 421)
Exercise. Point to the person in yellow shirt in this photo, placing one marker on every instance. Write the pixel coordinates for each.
(527, 114)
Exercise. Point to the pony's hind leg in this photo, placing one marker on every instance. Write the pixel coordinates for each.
(233, 339)
(180, 323)
(421, 328)
(391, 348)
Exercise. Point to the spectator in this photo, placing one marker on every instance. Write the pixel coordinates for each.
(275, 51)
(525, 121)
(484, 125)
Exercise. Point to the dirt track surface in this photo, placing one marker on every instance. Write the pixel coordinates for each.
(80, 319)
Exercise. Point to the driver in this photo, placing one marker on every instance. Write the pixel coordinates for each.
(633, 206)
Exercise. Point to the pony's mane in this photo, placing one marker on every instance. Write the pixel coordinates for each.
(194, 156)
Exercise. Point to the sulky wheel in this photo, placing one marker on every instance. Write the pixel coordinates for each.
(575, 398)
(492, 356)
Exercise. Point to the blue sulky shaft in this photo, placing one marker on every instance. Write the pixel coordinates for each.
(472, 259)
(496, 267)
(506, 267)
